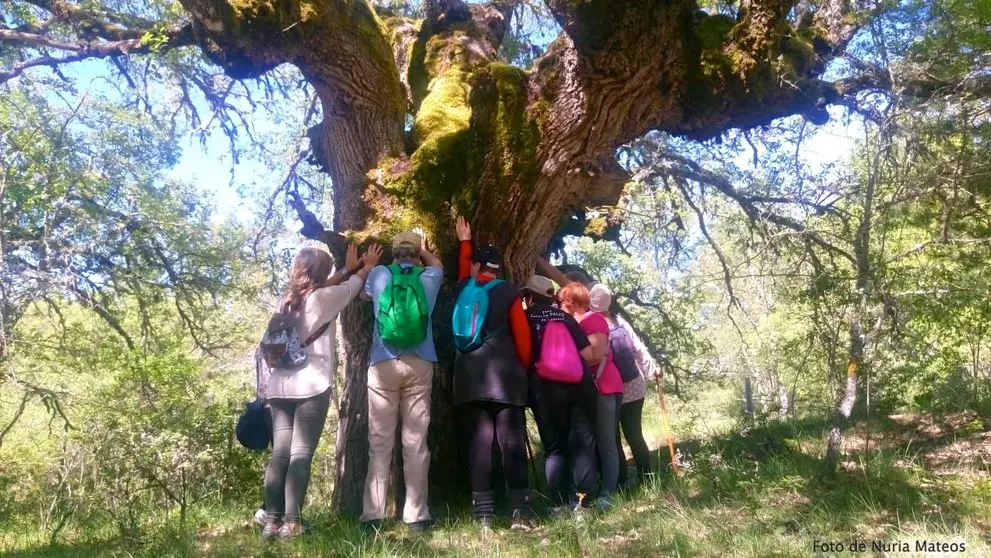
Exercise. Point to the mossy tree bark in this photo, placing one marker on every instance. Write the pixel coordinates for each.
(515, 151)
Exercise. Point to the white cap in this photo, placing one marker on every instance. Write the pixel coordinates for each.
(599, 298)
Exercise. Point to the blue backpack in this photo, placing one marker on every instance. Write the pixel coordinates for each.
(469, 314)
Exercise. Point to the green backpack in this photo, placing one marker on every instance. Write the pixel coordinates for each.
(403, 309)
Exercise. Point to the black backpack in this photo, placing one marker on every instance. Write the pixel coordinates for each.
(623, 353)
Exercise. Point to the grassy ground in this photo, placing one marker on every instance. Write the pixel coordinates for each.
(903, 479)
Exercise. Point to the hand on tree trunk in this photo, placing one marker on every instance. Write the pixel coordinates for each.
(351, 261)
(372, 256)
(463, 229)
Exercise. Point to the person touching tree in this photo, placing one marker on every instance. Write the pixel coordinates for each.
(494, 349)
(300, 396)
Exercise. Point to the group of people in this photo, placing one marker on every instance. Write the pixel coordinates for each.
(564, 354)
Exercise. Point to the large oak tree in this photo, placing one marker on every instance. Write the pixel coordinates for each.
(421, 120)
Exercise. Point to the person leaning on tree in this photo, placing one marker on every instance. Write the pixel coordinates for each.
(400, 375)
(564, 408)
(634, 362)
(300, 397)
(490, 380)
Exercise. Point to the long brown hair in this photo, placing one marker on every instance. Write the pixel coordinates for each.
(309, 273)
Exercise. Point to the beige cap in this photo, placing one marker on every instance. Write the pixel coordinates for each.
(407, 240)
(538, 284)
(599, 298)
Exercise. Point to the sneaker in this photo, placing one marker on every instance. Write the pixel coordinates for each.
(486, 531)
(271, 530)
(605, 502)
(420, 527)
(260, 517)
(290, 530)
(522, 524)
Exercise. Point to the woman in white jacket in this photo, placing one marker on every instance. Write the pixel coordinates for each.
(300, 397)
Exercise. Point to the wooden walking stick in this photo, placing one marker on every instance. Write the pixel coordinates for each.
(666, 425)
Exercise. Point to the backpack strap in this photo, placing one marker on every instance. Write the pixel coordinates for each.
(602, 365)
(316, 335)
(397, 269)
(488, 287)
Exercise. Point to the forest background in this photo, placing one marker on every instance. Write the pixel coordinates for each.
(833, 260)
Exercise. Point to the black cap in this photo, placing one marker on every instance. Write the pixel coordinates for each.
(488, 256)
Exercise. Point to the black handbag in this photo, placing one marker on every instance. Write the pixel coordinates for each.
(251, 430)
(252, 426)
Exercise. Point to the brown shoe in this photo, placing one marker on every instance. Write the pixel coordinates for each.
(522, 524)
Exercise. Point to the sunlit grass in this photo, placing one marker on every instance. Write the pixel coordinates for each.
(753, 494)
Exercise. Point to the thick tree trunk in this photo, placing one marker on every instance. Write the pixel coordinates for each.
(515, 151)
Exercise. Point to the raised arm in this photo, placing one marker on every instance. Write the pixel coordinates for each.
(351, 265)
(333, 299)
(522, 335)
(369, 260)
(465, 249)
(551, 272)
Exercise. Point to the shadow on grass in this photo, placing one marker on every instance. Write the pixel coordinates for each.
(772, 476)
(743, 488)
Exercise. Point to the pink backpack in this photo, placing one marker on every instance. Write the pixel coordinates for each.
(559, 359)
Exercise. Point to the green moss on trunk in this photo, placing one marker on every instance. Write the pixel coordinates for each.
(477, 141)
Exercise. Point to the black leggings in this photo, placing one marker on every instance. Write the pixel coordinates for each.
(630, 415)
(565, 415)
(486, 422)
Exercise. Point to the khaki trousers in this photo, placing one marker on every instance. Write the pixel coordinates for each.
(398, 389)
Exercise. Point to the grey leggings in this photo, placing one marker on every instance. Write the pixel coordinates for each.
(296, 428)
(606, 424)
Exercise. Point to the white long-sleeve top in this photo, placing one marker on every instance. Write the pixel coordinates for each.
(317, 376)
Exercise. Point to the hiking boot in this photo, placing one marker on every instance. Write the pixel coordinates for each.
(271, 530)
(519, 502)
(420, 527)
